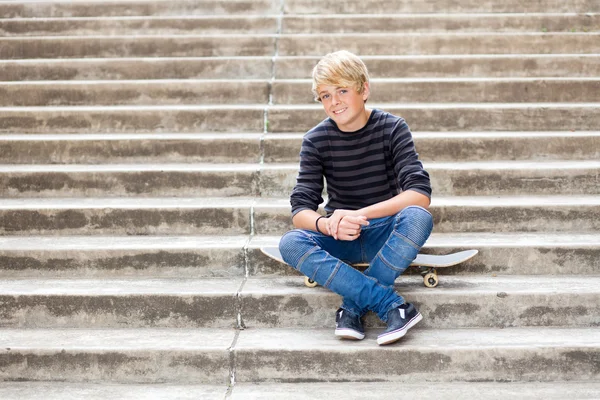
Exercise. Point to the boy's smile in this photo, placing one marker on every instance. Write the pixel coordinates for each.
(345, 106)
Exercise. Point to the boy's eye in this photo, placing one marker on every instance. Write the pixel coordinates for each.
(343, 91)
(325, 96)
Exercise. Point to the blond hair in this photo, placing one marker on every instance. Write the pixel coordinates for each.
(341, 69)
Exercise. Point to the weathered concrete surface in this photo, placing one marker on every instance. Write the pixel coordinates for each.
(458, 117)
(130, 148)
(119, 303)
(435, 90)
(458, 302)
(467, 146)
(360, 23)
(436, 43)
(144, 92)
(182, 25)
(141, 180)
(131, 119)
(113, 256)
(499, 254)
(473, 214)
(448, 6)
(136, 46)
(120, 355)
(417, 391)
(455, 66)
(135, 216)
(103, 391)
(475, 179)
(137, 68)
(512, 354)
(140, 8)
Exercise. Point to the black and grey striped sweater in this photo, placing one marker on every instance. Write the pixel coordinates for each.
(361, 168)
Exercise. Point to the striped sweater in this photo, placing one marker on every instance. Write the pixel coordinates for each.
(361, 168)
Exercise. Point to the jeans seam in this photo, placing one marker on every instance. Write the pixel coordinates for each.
(407, 240)
(333, 274)
(303, 258)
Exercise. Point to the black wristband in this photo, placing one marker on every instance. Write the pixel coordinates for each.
(317, 225)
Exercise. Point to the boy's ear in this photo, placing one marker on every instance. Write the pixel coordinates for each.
(366, 91)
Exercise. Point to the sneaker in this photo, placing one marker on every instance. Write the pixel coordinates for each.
(348, 325)
(399, 321)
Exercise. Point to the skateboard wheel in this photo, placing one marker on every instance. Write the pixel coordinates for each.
(430, 280)
(309, 282)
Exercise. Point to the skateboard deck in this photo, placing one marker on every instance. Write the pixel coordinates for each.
(428, 263)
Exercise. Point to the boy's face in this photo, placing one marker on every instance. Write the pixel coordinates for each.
(345, 106)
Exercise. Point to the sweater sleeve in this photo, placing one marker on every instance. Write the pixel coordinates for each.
(309, 184)
(407, 167)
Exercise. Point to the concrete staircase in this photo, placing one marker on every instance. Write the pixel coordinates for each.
(148, 148)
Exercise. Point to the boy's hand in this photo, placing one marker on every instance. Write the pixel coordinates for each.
(344, 225)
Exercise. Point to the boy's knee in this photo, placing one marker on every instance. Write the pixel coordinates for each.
(415, 223)
(292, 247)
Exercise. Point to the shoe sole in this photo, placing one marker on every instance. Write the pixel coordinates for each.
(393, 336)
(349, 334)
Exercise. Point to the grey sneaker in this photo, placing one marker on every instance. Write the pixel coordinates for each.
(348, 325)
(399, 321)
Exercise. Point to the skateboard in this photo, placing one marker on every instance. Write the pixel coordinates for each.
(427, 263)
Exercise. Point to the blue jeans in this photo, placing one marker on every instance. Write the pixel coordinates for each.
(388, 244)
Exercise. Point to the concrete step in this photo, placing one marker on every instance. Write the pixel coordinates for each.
(432, 146)
(457, 116)
(133, 148)
(388, 22)
(412, 390)
(435, 90)
(324, 23)
(102, 391)
(481, 355)
(140, 92)
(183, 24)
(168, 91)
(129, 119)
(278, 180)
(95, 8)
(458, 302)
(472, 214)
(448, 66)
(137, 46)
(242, 216)
(120, 303)
(285, 302)
(544, 253)
(441, 66)
(130, 256)
(197, 257)
(284, 148)
(117, 355)
(448, 6)
(135, 216)
(436, 43)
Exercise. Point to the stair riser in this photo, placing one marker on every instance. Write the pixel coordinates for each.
(171, 26)
(140, 8)
(448, 6)
(440, 310)
(133, 120)
(122, 365)
(297, 68)
(483, 118)
(547, 364)
(106, 221)
(124, 93)
(440, 22)
(276, 221)
(451, 149)
(310, 45)
(156, 46)
(100, 151)
(556, 260)
(456, 92)
(274, 183)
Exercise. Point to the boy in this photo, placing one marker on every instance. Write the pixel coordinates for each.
(376, 212)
